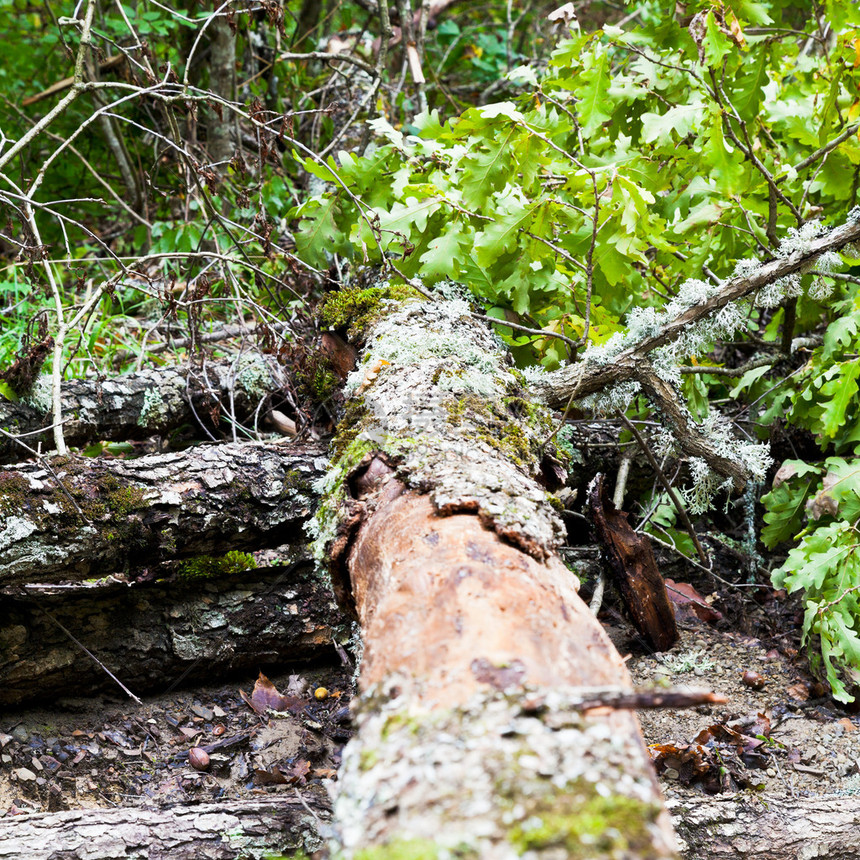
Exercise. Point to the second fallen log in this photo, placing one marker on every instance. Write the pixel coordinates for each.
(76, 518)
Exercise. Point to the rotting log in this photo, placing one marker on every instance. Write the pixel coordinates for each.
(786, 828)
(138, 405)
(442, 539)
(722, 828)
(217, 831)
(154, 635)
(75, 518)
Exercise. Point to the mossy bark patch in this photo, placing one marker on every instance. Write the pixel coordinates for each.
(92, 517)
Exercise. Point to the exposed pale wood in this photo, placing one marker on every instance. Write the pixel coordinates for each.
(83, 518)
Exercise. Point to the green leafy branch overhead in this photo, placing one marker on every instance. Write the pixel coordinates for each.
(638, 160)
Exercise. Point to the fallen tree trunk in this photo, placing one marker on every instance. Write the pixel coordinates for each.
(139, 405)
(74, 517)
(154, 635)
(216, 831)
(715, 828)
(789, 828)
(471, 735)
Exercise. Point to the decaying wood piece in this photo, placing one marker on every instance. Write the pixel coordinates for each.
(788, 828)
(80, 518)
(153, 635)
(215, 831)
(631, 562)
(137, 405)
(476, 643)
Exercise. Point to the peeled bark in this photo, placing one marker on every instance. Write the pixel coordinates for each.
(152, 635)
(216, 831)
(77, 518)
(471, 736)
(138, 405)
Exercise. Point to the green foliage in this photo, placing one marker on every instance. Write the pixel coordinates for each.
(629, 139)
(213, 567)
(825, 565)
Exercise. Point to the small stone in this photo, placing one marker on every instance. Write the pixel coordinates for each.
(770, 771)
(670, 773)
(37, 765)
(20, 734)
(4, 739)
(753, 679)
(24, 774)
(203, 712)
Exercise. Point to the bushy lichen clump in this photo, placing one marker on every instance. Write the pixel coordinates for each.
(154, 409)
(253, 377)
(214, 567)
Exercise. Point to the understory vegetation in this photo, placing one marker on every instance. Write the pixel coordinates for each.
(174, 180)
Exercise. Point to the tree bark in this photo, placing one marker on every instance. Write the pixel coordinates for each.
(222, 82)
(150, 402)
(75, 518)
(217, 831)
(477, 648)
(155, 634)
(716, 828)
(743, 828)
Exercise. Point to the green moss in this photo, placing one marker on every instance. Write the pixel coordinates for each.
(356, 309)
(323, 384)
(14, 490)
(314, 375)
(120, 498)
(349, 427)
(400, 849)
(586, 824)
(555, 502)
(211, 567)
(294, 480)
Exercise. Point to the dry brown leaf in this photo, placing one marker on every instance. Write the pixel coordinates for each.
(265, 696)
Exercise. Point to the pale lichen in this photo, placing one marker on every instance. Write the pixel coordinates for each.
(153, 410)
(435, 393)
(491, 778)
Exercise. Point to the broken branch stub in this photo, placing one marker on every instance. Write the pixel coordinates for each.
(444, 541)
(631, 562)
